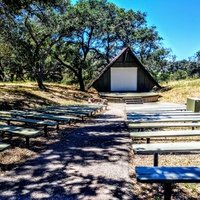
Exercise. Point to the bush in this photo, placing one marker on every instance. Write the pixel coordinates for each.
(179, 75)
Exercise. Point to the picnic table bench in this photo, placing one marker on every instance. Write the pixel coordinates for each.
(4, 146)
(167, 176)
(31, 121)
(157, 134)
(152, 125)
(157, 148)
(20, 131)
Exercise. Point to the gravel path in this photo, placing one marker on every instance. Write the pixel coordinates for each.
(91, 162)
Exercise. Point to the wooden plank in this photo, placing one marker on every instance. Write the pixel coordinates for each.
(27, 120)
(4, 146)
(160, 117)
(165, 133)
(168, 174)
(161, 125)
(36, 115)
(168, 114)
(166, 147)
(194, 119)
(26, 132)
(20, 131)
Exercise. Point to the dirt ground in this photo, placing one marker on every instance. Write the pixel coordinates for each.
(18, 154)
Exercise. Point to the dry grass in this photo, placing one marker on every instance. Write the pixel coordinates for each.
(180, 90)
(27, 95)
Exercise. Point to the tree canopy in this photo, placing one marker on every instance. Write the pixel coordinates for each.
(54, 40)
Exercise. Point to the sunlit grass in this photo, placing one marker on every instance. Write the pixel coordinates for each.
(180, 90)
(28, 94)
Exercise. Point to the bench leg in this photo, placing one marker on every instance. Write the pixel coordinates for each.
(167, 191)
(57, 127)
(27, 142)
(148, 140)
(45, 130)
(155, 159)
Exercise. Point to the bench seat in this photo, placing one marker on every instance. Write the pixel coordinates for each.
(130, 119)
(31, 121)
(4, 146)
(156, 148)
(161, 125)
(167, 176)
(20, 131)
(156, 134)
(41, 116)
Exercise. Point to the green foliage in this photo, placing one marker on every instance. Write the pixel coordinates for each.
(179, 75)
(45, 40)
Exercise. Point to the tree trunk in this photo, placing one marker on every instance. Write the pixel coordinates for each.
(80, 80)
(39, 78)
(41, 86)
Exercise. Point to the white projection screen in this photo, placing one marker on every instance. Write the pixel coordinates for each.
(123, 79)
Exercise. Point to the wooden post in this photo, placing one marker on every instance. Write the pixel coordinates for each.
(27, 142)
(57, 127)
(155, 159)
(45, 130)
(167, 191)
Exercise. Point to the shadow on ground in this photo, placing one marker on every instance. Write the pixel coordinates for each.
(80, 166)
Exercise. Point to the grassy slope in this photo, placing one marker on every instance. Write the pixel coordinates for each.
(180, 90)
(27, 95)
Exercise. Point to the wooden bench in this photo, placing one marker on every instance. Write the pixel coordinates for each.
(157, 134)
(164, 114)
(157, 148)
(156, 120)
(30, 121)
(167, 176)
(41, 116)
(142, 126)
(4, 146)
(20, 131)
(75, 115)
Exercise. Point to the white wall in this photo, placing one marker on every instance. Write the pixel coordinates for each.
(124, 79)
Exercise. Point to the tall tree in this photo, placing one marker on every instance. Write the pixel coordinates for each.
(32, 34)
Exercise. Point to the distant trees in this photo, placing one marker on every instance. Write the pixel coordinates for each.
(182, 69)
(46, 40)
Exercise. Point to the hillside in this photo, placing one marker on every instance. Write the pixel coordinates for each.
(27, 95)
(178, 91)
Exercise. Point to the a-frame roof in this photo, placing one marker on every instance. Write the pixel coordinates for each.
(125, 51)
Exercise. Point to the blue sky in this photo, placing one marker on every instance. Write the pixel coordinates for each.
(177, 22)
